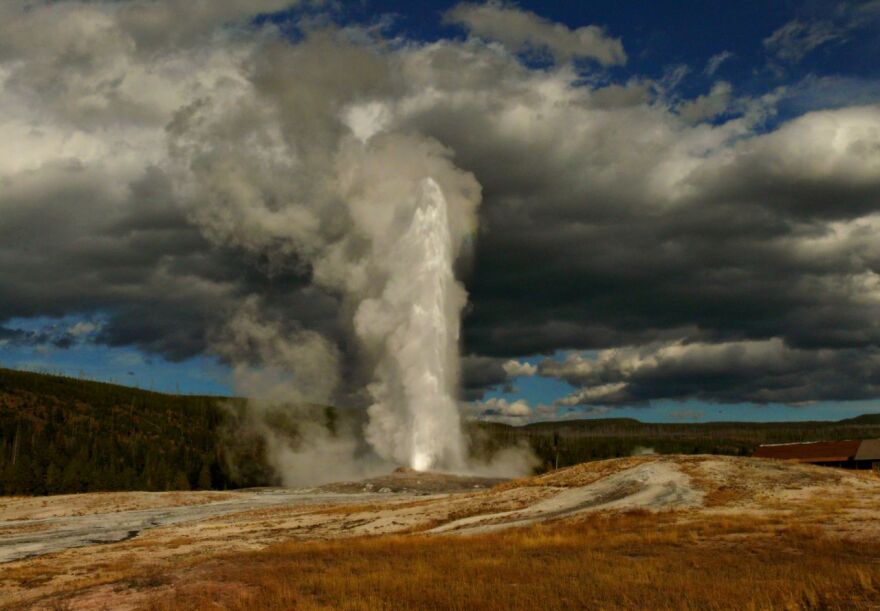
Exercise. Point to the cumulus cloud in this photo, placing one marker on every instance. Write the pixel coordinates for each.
(480, 373)
(708, 106)
(82, 328)
(499, 409)
(160, 24)
(515, 369)
(522, 30)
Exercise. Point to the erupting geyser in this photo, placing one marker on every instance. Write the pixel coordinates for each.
(415, 412)
(378, 216)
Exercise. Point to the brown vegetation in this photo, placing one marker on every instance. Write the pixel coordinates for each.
(638, 560)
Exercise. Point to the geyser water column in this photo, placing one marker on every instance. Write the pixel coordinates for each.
(414, 417)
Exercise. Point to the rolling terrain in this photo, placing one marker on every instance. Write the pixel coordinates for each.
(158, 515)
(656, 532)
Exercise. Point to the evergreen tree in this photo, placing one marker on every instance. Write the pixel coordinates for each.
(204, 481)
(53, 478)
(180, 482)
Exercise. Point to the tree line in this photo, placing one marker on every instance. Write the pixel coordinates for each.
(65, 435)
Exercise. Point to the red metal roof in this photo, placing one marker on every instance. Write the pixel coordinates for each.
(819, 451)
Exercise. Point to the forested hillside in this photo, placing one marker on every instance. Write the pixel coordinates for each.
(61, 434)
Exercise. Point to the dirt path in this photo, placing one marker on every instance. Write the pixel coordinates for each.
(28, 538)
(651, 486)
(52, 524)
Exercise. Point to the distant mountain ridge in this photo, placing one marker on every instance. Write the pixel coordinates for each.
(864, 419)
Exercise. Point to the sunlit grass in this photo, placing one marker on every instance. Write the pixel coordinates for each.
(635, 561)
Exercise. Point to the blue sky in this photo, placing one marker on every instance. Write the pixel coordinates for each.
(813, 54)
(87, 359)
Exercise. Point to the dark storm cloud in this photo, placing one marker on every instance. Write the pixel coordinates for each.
(479, 373)
(612, 218)
(69, 246)
(603, 230)
(774, 240)
(51, 334)
(18, 337)
(763, 371)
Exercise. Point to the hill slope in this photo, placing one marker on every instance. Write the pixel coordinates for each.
(65, 435)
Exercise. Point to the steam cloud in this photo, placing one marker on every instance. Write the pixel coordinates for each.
(378, 217)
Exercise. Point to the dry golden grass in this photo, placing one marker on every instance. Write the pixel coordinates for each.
(631, 561)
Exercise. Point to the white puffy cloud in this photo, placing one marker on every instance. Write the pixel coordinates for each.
(515, 369)
(523, 30)
(83, 327)
(708, 106)
(499, 409)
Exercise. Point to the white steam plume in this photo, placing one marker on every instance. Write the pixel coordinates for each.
(316, 175)
(297, 370)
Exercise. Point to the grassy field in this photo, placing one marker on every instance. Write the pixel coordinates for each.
(630, 561)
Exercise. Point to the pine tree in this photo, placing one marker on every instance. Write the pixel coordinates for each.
(204, 481)
(180, 481)
(53, 478)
